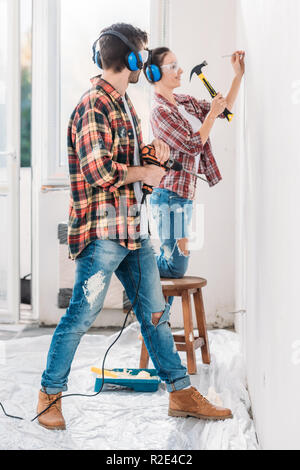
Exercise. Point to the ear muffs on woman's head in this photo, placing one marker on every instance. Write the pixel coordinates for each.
(153, 72)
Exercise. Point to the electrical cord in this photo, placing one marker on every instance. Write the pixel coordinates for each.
(97, 393)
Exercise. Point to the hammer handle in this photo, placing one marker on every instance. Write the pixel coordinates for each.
(213, 93)
(228, 114)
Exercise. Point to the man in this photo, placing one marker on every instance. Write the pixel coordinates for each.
(105, 236)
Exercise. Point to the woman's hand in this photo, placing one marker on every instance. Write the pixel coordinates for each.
(218, 105)
(238, 64)
(162, 150)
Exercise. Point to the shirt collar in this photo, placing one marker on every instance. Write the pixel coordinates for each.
(99, 83)
(180, 99)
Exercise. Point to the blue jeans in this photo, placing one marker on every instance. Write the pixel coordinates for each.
(94, 268)
(173, 217)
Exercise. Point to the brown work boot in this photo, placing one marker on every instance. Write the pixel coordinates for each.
(52, 418)
(189, 402)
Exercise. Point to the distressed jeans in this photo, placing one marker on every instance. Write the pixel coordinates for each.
(94, 268)
(173, 217)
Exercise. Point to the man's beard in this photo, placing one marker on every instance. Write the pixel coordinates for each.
(134, 76)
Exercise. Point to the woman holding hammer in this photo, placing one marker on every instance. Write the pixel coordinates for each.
(184, 123)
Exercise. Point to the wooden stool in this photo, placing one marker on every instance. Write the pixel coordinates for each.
(183, 288)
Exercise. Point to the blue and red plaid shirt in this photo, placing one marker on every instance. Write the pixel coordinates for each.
(100, 149)
(169, 125)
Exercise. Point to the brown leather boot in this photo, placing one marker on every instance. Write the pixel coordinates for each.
(52, 418)
(189, 402)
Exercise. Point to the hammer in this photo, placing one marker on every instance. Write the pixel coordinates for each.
(198, 71)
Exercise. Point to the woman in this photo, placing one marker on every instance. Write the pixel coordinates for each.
(184, 123)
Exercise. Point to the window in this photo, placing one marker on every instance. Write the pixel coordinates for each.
(81, 23)
(26, 36)
(3, 79)
(63, 67)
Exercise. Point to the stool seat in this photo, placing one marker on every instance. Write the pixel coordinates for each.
(184, 288)
(188, 282)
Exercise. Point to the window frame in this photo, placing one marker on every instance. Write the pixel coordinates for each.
(46, 93)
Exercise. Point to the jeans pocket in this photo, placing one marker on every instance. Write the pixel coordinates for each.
(179, 200)
(155, 197)
(86, 251)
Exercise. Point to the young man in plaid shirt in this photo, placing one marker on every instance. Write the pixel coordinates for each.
(105, 235)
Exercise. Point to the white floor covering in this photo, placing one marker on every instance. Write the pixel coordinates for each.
(123, 419)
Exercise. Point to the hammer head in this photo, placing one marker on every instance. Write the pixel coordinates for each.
(198, 69)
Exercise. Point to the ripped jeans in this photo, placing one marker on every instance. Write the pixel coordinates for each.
(94, 268)
(173, 217)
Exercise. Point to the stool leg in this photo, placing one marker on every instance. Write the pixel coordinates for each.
(201, 323)
(144, 357)
(188, 332)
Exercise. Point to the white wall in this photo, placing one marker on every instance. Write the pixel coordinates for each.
(205, 30)
(53, 207)
(269, 32)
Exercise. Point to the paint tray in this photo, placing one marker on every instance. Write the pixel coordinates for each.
(138, 385)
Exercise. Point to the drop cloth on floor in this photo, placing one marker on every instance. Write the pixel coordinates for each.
(123, 419)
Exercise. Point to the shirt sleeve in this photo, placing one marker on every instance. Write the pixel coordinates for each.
(173, 132)
(94, 150)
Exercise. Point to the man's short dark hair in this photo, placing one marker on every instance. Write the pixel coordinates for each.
(113, 51)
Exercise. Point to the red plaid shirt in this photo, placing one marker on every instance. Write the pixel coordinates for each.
(171, 127)
(100, 148)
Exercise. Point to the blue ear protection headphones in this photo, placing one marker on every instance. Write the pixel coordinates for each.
(133, 59)
(153, 72)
